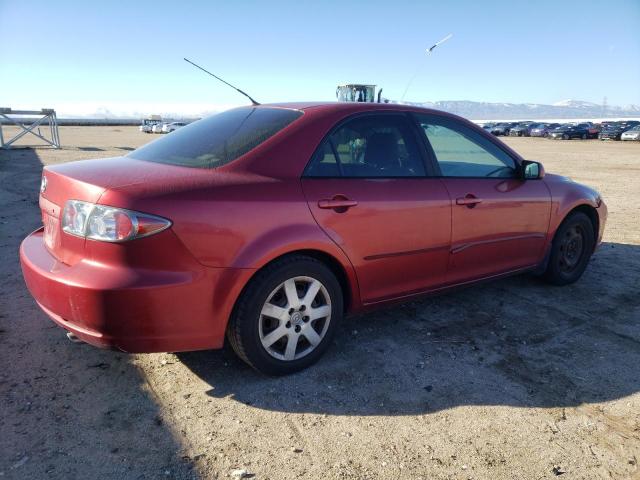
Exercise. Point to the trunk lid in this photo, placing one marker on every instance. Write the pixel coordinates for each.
(55, 189)
(88, 180)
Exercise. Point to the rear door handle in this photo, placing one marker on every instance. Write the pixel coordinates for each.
(339, 203)
(469, 200)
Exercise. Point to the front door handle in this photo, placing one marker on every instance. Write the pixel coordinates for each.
(469, 200)
(339, 203)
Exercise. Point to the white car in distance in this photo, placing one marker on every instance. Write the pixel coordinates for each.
(632, 134)
(157, 128)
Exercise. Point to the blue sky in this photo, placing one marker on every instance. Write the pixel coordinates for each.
(118, 54)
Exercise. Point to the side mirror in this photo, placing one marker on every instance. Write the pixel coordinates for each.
(531, 170)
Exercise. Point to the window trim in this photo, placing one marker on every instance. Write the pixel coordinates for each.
(433, 160)
(411, 125)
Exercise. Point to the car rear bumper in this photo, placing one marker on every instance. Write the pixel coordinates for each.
(132, 309)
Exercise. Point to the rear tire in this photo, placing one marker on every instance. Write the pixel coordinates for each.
(565, 137)
(279, 325)
(571, 250)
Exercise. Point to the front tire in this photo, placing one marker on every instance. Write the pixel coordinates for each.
(287, 315)
(571, 250)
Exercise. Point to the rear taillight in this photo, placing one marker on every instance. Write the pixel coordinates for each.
(109, 224)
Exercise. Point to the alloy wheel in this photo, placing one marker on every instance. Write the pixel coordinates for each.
(295, 318)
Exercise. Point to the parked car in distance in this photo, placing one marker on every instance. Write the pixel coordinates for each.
(503, 128)
(146, 128)
(170, 127)
(522, 129)
(543, 129)
(611, 131)
(569, 131)
(148, 123)
(593, 129)
(157, 128)
(631, 134)
(614, 131)
(265, 225)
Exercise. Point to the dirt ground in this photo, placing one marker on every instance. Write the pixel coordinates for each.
(513, 379)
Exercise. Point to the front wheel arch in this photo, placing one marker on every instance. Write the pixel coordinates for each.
(585, 208)
(590, 212)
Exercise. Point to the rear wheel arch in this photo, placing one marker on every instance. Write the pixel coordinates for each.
(349, 290)
(338, 270)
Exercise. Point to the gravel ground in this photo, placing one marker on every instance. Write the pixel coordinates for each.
(510, 379)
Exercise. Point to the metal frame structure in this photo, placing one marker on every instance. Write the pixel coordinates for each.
(44, 114)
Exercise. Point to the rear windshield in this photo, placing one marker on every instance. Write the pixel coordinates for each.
(219, 139)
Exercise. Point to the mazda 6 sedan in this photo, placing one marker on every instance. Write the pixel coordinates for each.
(265, 225)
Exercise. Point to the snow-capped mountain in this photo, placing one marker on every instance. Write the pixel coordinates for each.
(532, 111)
(575, 104)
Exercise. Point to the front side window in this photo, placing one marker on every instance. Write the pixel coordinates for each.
(368, 147)
(219, 139)
(461, 152)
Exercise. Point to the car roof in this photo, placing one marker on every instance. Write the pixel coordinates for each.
(352, 107)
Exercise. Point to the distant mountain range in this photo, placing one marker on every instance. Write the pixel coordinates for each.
(531, 111)
(479, 111)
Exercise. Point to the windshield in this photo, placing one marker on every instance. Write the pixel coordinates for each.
(219, 139)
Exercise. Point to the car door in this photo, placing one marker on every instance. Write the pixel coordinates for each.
(499, 221)
(367, 188)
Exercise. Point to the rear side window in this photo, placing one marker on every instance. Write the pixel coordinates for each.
(219, 139)
(368, 147)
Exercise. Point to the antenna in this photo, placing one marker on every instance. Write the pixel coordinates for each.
(438, 43)
(429, 50)
(226, 83)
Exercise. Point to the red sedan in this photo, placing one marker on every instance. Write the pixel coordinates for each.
(267, 224)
